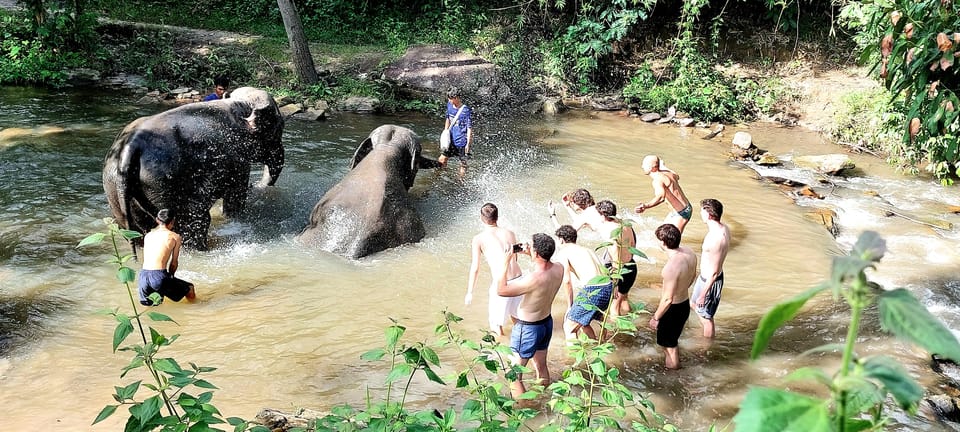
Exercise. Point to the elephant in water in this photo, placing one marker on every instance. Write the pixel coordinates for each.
(369, 210)
(188, 157)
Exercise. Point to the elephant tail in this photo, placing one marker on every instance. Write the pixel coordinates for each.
(130, 191)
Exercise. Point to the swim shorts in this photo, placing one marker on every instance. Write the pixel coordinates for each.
(686, 213)
(501, 308)
(629, 277)
(597, 295)
(712, 300)
(458, 152)
(529, 337)
(671, 324)
(159, 281)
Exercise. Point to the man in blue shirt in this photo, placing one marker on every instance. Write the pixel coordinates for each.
(458, 120)
(220, 85)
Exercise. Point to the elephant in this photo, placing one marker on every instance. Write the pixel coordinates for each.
(369, 210)
(187, 157)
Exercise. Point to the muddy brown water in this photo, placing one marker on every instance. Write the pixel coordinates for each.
(286, 325)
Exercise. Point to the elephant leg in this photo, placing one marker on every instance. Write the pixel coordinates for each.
(235, 196)
(193, 227)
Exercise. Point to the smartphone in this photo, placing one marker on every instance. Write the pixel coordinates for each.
(517, 248)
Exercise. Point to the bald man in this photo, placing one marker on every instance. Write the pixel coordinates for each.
(666, 187)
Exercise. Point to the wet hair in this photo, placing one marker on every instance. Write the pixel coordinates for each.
(669, 235)
(713, 207)
(582, 198)
(489, 213)
(166, 216)
(544, 245)
(453, 92)
(567, 233)
(607, 209)
(221, 80)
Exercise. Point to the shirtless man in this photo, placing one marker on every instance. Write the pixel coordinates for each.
(491, 244)
(706, 292)
(581, 208)
(531, 335)
(678, 274)
(580, 266)
(666, 187)
(161, 254)
(618, 255)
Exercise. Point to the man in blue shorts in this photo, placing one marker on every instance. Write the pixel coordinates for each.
(533, 330)
(459, 119)
(706, 292)
(580, 267)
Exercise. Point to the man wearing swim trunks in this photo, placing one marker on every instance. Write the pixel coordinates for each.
(580, 267)
(673, 310)
(617, 255)
(531, 335)
(666, 187)
(491, 244)
(161, 255)
(706, 293)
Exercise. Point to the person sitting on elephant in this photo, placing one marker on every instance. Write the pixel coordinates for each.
(460, 122)
(220, 86)
(161, 255)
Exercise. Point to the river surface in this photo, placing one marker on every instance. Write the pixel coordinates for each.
(286, 325)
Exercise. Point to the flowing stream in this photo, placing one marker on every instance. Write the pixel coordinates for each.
(286, 325)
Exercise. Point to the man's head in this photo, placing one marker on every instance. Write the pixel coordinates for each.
(607, 209)
(544, 246)
(489, 214)
(453, 95)
(651, 163)
(712, 208)
(582, 198)
(567, 233)
(669, 235)
(166, 217)
(220, 85)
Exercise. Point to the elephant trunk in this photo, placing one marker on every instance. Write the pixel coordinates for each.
(270, 175)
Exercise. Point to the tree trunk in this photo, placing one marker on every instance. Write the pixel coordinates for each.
(299, 50)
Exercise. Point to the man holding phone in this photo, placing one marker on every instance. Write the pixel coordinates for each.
(493, 243)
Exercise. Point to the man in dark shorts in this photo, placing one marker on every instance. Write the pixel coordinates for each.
(161, 254)
(459, 119)
(618, 254)
(673, 310)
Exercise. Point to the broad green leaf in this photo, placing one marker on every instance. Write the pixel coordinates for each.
(492, 366)
(636, 252)
(127, 393)
(430, 356)
(204, 384)
(902, 315)
(393, 334)
(462, 380)
(870, 247)
(107, 411)
(149, 408)
(157, 316)
(809, 373)
(779, 315)
(828, 348)
(401, 370)
(126, 275)
(124, 328)
(156, 337)
(130, 235)
(167, 365)
(135, 363)
(373, 355)
(771, 410)
(92, 239)
(432, 375)
(862, 395)
(895, 380)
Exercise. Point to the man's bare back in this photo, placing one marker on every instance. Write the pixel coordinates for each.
(159, 246)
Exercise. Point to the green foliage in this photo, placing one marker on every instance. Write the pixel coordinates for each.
(36, 55)
(167, 379)
(858, 390)
(918, 62)
(869, 119)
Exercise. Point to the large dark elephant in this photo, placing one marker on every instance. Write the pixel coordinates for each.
(369, 210)
(188, 157)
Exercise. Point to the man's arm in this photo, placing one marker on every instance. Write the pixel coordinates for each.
(567, 283)
(667, 295)
(475, 253)
(174, 255)
(516, 287)
(469, 140)
(659, 194)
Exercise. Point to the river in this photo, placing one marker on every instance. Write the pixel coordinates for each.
(286, 325)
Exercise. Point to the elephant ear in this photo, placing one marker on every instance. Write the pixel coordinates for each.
(362, 151)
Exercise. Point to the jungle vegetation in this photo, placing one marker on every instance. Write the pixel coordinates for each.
(654, 54)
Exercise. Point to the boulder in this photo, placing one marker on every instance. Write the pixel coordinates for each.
(311, 114)
(279, 421)
(180, 90)
(650, 117)
(360, 104)
(743, 140)
(685, 122)
(290, 109)
(941, 407)
(716, 131)
(428, 70)
(82, 76)
(767, 159)
(825, 217)
(552, 106)
(808, 192)
(832, 164)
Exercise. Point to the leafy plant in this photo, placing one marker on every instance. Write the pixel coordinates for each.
(861, 385)
(167, 379)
